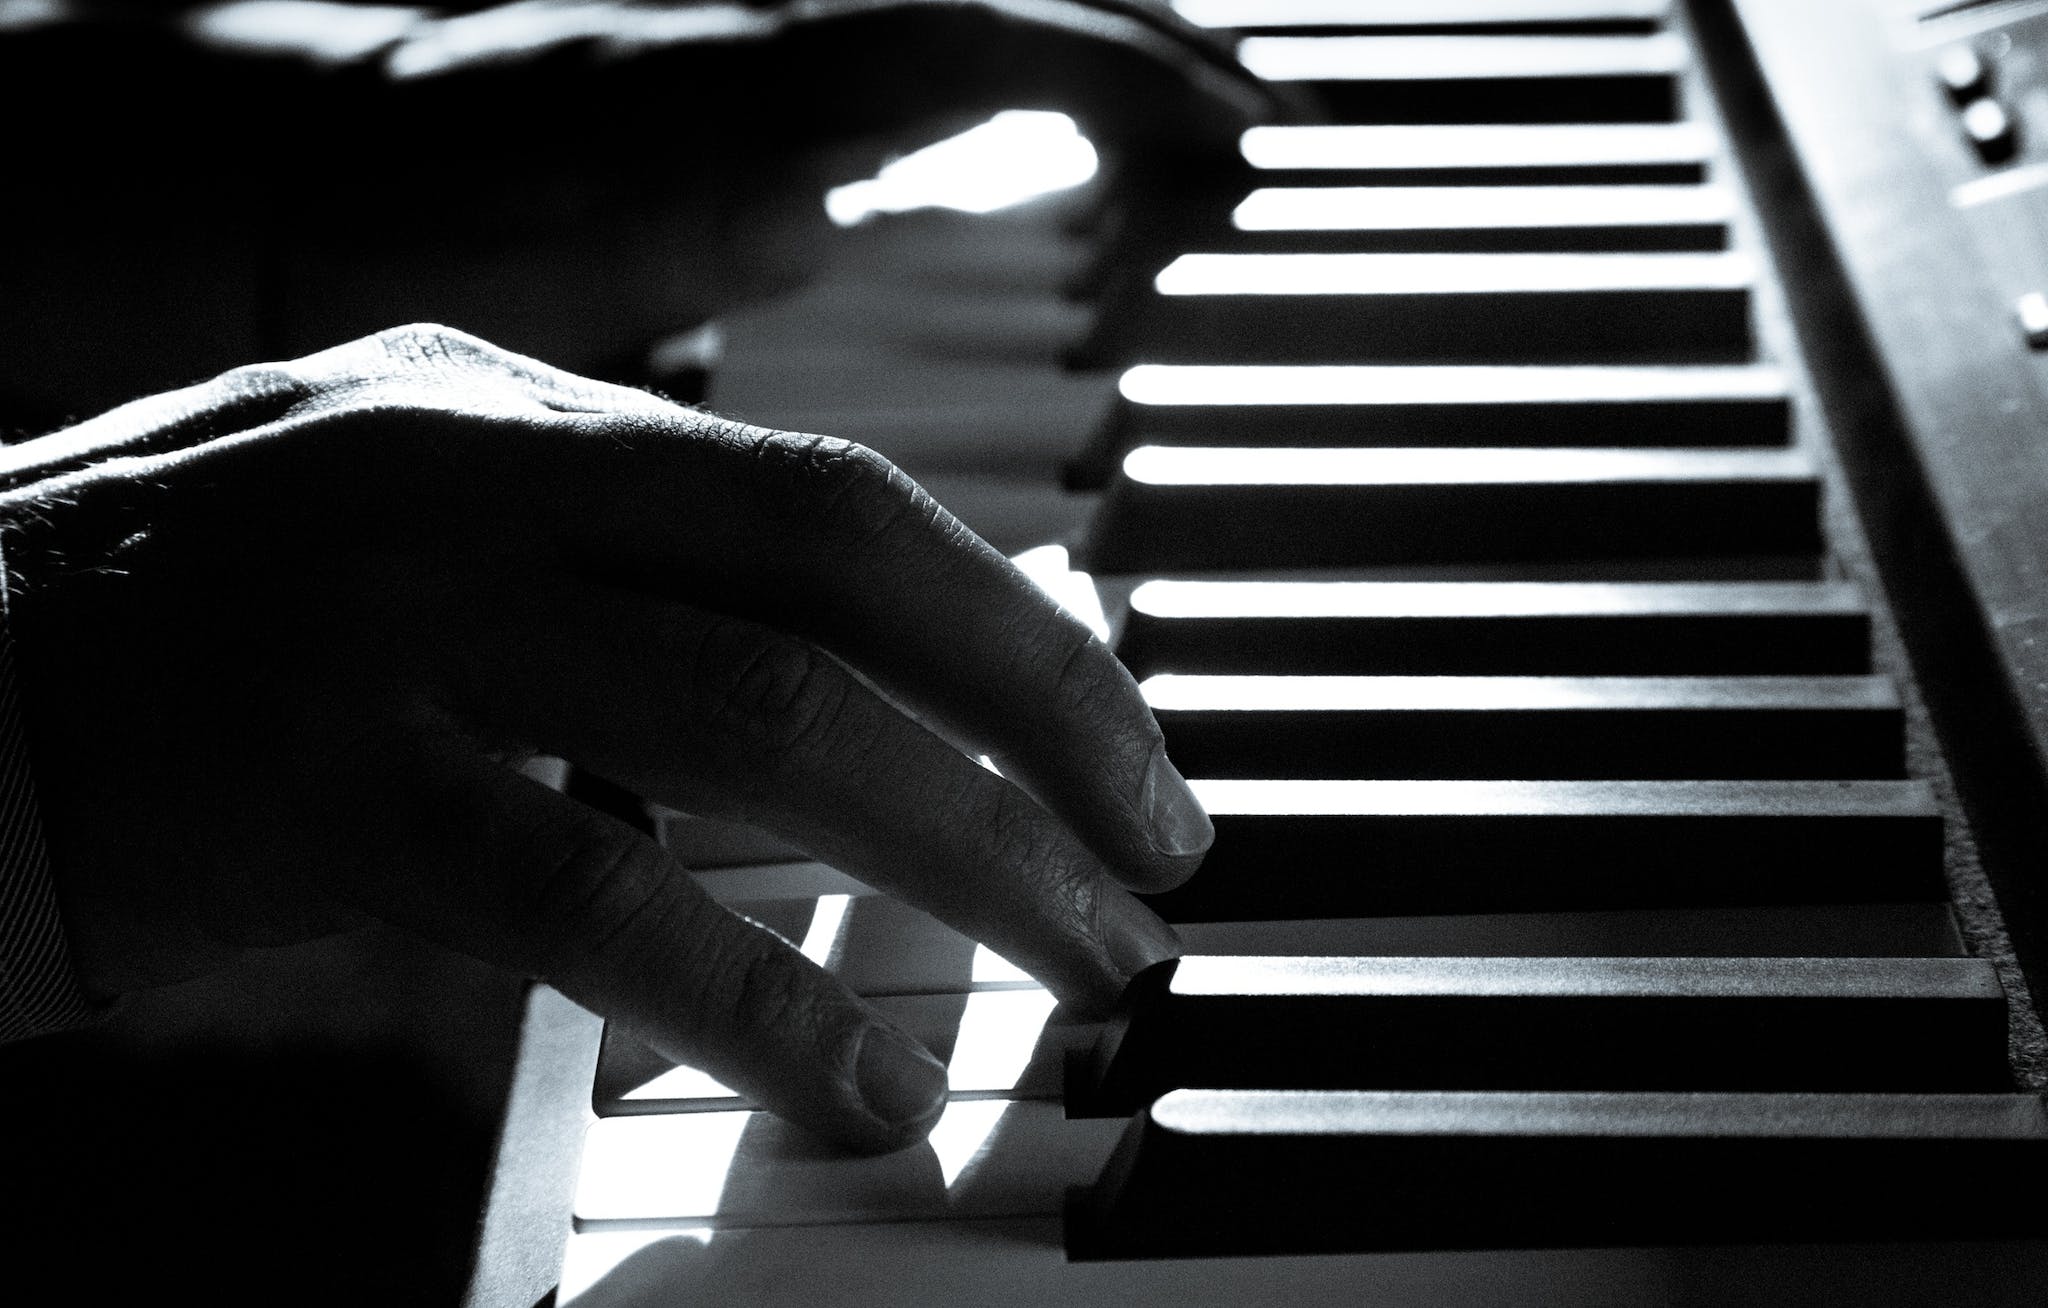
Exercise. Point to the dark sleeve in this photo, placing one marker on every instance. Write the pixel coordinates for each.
(39, 989)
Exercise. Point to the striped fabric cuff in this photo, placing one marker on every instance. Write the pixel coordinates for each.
(39, 989)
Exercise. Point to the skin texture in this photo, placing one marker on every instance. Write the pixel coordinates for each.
(280, 634)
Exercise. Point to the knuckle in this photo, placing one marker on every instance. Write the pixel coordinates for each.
(262, 383)
(253, 395)
(732, 976)
(604, 900)
(1057, 880)
(1086, 679)
(760, 988)
(779, 696)
(430, 344)
(1081, 685)
(1021, 839)
(853, 497)
(425, 365)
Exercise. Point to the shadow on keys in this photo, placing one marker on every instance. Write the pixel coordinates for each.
(674, 1147)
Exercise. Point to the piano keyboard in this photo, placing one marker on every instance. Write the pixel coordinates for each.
(1578, 927)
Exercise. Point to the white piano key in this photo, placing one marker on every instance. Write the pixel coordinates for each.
(986, 1158)
(681, 1085)
(875, 943)
(1022, 1263)
(824, 939)
(993, 1042)
(1000, 1034)
(892, 948)
(767, 881)
(671, 1166)
(702, 842)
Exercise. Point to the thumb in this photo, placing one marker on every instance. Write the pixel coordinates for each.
(492, 863)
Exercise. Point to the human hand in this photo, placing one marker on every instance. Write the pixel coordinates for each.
(573, 178)
(279, 635)
(773, 74)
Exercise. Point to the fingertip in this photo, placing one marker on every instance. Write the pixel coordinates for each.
(1176, 825)
(900, 1085)
(1176, 822)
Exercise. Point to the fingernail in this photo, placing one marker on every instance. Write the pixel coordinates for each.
(898, 1082)
(1179, 826)
(1135, 935)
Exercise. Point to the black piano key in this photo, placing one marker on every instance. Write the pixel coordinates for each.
(1147, 227)
(1466, 219)
(1419, 308)
(1446, 405)
(1332, 17)
(1309, 849)
(1477, 79)
(1531, 728)
(1367, 404)
(1155, 217)
(1478, 155)
(1378, 1023)
(1459, 219)
(1915, 930)
(1207, 1173)
(1370, 628)
(1199, 509)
